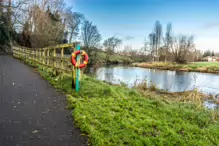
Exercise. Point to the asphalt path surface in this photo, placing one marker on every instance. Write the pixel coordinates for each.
(32, 112)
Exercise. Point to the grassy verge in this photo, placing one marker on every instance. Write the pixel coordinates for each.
(114, 59)
(115, 115)
(208, 67)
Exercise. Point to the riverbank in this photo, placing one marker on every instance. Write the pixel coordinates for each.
(116, 115)
(113, 59)
(205, 67)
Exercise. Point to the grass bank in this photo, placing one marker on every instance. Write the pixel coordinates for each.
(116, 115)
(207, 67)
(113, 59)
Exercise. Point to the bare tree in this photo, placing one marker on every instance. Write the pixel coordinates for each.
(41, 22)
(8, 18)
(145, 50)
(182, 46)
(168, 40)
(90, 36)
(20, 13)
(73, 21)
(152, 44)
(110, 45)
(129, 51)
(50, 31)
(158, 36)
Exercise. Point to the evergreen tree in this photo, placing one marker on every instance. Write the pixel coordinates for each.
(212, 54)
(207, 53)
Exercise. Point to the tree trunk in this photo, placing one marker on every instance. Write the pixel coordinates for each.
(9, 13)
(1, 7)
(165, 60)
(165, 56)
(71, 35)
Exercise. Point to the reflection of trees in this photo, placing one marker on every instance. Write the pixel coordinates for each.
(162, 79)
(182, 81)
(105, 74)
(100, 73)
(108, 77)
(168, 80)
(180, 73)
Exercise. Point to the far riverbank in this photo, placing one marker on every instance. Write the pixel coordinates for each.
(205, 67)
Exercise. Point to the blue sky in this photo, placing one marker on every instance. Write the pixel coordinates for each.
(133, 20)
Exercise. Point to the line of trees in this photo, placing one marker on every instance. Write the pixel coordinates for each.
(38, 23)
(43, 23)
(208, 53)
(161, 44)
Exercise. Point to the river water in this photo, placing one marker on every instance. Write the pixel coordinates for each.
(173, 81)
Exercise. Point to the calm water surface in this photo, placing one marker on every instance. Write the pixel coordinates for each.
(173, 81)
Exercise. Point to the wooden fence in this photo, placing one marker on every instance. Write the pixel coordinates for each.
(58, 57)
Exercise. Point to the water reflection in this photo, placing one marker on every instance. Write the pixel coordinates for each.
(173, 81)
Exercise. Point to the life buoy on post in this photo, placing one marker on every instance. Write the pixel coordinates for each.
(73, 58)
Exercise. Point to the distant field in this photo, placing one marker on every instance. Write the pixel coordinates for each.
(116, 58)
(205, 63)
(211, 67)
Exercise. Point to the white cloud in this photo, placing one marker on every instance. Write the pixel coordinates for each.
(207, 43)
(129, 38)
(211, 25)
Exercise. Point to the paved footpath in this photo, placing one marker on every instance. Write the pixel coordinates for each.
(32, 112)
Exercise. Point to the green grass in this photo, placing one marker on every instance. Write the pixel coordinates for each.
(208, 65)
(116, 115)
(116, 58)
(119, 116)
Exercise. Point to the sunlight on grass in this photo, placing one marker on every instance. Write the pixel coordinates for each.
(114, 115)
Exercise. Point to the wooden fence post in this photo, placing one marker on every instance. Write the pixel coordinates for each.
(54, 57)
(36, 55)
(19, 49)
(48, 57)
(62, 62)
(62, 58)
(41, 56)
(44, 56)
(32, 56)
(25, 55)
(22, 53)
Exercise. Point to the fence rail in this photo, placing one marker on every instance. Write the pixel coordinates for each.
(57, 57)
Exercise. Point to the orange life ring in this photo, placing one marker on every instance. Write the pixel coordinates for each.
(73, 58)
